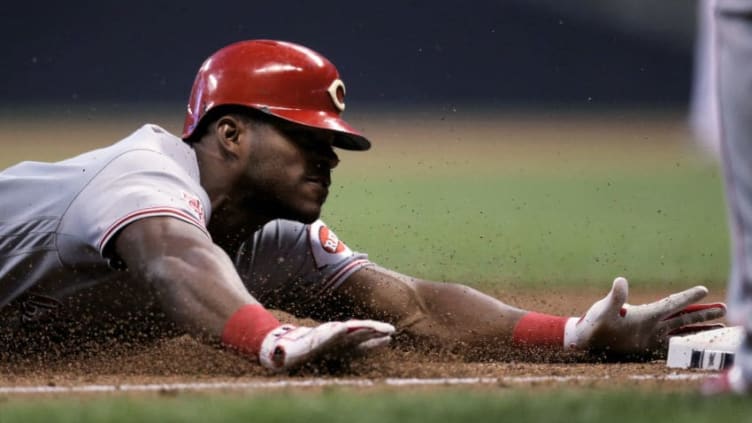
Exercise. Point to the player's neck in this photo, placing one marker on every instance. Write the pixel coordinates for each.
(215, 176)
(231, 227)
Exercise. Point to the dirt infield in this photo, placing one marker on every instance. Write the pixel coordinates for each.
(182, 360)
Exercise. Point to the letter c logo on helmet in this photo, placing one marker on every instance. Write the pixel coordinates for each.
(283, 79)
(337, 93)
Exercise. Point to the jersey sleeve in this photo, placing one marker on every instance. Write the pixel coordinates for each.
(136, 185)
(287, 265)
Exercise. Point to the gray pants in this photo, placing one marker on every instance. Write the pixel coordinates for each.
(734, 73)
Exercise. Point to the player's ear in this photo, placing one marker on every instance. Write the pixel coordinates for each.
(229, 130)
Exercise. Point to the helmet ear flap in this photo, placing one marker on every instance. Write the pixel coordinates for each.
(282, 79)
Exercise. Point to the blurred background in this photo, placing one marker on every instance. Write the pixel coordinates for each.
(536, 141)
(585, 54)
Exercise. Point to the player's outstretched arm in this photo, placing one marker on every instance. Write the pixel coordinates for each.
(456, 315)
(198, 287)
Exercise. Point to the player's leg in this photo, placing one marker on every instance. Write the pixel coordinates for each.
(734, 37)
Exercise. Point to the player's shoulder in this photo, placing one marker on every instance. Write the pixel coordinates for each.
(153, 137)
(153, 141)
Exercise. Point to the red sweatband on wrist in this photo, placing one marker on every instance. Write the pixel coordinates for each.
(539, 329)
(247, 327)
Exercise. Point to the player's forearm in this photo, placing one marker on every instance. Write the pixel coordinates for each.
(462, 314)
(197, 289)
(195, 282)
(452, 316)
(200, 290)
(438, 313)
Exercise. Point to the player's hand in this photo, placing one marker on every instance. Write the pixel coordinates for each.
(615, 327)
(288, 347)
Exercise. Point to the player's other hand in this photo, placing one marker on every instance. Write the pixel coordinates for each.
(614, 327)
(288, 347)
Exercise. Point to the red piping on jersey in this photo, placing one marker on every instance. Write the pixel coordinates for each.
(156, 211)
(337, 276)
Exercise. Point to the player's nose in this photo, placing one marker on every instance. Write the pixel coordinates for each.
(326, 157)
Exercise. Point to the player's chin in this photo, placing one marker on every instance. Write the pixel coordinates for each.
(313, 200)
(306, 211)
(308, 215)
(304, 205)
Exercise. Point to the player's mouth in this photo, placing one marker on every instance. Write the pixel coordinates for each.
(323, 180)
(319, 187)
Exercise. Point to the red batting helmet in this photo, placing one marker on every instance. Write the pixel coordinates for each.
(283, 79)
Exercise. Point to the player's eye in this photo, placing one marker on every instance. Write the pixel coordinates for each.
(310, 140)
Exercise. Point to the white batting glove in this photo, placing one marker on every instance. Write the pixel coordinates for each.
(288, 346)
(613, 326)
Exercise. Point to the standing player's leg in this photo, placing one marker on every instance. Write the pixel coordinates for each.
(703, 106)
(734, 71)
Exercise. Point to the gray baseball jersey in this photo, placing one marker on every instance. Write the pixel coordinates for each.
(56, 221)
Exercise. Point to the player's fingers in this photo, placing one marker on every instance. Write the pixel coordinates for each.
(374, 343)
(697, 307)
(326, 335)
(608, 306)
(699, 316)
(369, 325)
(692, 329)
(618, 295)
(360, 331)
(676, 302)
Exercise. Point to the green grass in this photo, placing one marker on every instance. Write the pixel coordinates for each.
(346, 406)
(541, 222)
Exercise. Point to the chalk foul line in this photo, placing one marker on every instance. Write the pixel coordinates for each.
(312, 383)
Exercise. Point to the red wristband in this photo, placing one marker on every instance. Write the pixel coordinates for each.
(539, 329)
(247, 327)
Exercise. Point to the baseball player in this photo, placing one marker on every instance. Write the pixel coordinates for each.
(733, 61)
(211, 229)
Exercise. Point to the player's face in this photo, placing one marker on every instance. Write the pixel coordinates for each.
(289, 171)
